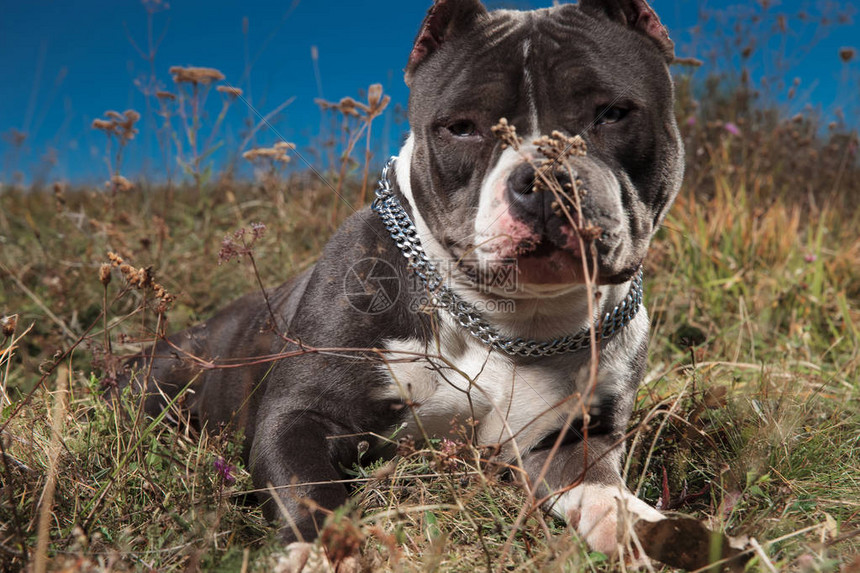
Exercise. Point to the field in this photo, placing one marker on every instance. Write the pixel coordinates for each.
(749, 418)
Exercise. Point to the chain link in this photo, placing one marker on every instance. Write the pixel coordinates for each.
(405, 236)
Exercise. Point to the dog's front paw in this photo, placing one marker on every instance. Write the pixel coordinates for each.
(604, 516)
(300, 557)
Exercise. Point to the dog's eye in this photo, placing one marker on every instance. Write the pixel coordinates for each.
(462, 128)
(610, 115)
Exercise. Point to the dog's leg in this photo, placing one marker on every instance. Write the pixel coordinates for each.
(600, 503)
(292, 455)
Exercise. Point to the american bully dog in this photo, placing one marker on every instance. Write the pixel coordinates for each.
(467, 201)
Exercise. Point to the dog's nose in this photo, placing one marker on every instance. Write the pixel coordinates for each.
(521, 181)
(528, 193)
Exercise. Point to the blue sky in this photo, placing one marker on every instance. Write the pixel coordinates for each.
(65, 62)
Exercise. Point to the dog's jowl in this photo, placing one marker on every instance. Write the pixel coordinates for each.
(502, 256)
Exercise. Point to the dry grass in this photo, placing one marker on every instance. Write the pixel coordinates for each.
(748, 420)
(751, 404)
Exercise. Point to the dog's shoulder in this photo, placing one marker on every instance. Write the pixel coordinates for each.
(361, 290)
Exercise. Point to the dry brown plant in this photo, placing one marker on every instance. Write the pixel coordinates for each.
(356, 121)
(120, 129)
(269, 164)
(193, 85)
(195, 76)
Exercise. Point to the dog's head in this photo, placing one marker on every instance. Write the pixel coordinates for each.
(598, 70)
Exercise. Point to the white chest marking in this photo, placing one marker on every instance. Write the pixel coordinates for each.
(506, 402)
(521, 403)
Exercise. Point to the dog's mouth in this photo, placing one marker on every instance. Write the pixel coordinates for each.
(564, 239)
(556, 257)
(541, 263)
(565, 259)
(549, 263)
(541, 250)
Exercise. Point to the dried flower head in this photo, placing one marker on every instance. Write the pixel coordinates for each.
(229, 91)
(103, 124)
(236, 246)
(847, 54)
(349, 106)
(9, 324)
(119, 183)
(139, 278)
(374, 95)
(558, 146)
(192, 75)
(276, 154)
(507, 133)
(589, 233)
(104, 274)
(167, 96)
(376, 102)
(118, 124)
(115, 259)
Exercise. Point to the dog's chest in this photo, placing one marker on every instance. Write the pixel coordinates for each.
(472, 387)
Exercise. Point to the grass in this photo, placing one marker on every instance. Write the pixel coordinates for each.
(749, 418)
(755, 297)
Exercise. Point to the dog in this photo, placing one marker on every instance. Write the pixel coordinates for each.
(413, 279)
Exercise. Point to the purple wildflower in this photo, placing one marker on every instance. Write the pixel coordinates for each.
(732, 128)
(448, 447)
(810, 258)
(691, 121)
(230, 249)
(235, 246)
(224, 470)
(257, 230)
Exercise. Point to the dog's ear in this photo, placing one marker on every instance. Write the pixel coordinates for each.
(445, 19)
(637, 15)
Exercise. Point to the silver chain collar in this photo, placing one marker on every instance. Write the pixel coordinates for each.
(403, 231)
